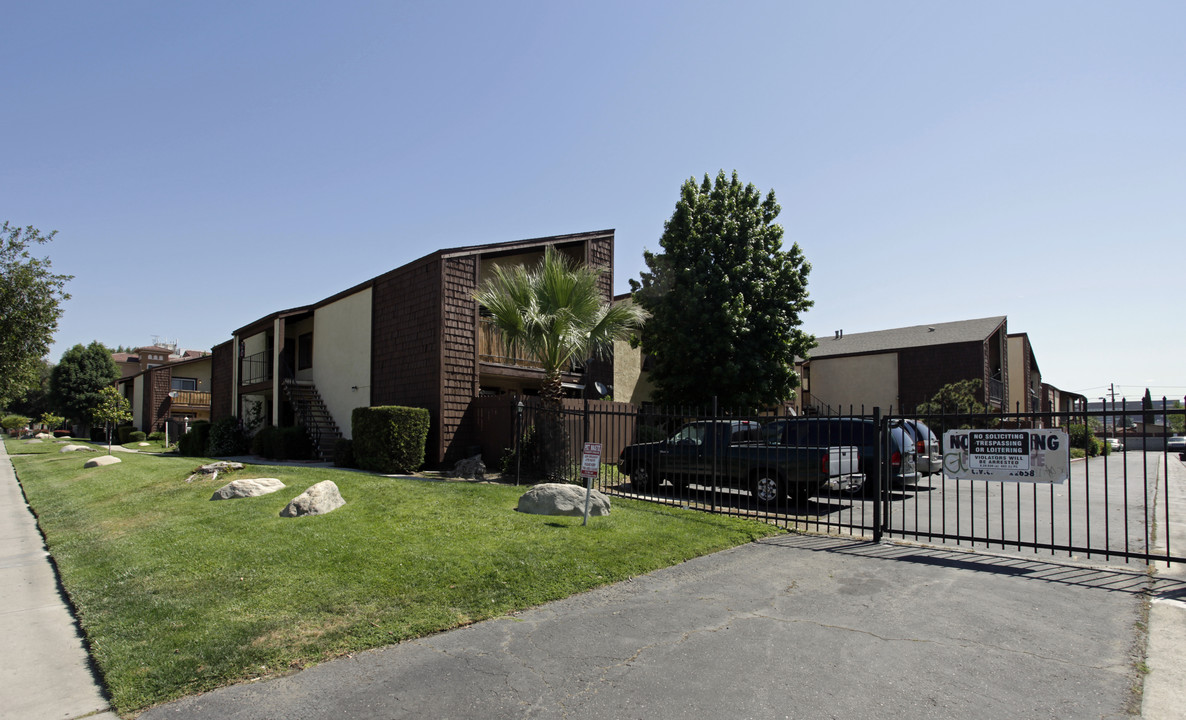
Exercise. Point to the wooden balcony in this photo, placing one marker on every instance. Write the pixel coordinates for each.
(191, 398)
(492, 349)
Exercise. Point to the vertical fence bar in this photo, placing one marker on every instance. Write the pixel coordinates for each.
(882, 461)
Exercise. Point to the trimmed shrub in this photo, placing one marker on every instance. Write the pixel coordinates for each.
(14, 422)
(282, 443)
(344, 453)
(390, 438)
(123, 434)
(195, 442)
(136, 436)
(227, 438)
(158, 435)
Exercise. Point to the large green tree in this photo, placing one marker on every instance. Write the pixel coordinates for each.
(30, 305)
(725, 297)
(78, 379)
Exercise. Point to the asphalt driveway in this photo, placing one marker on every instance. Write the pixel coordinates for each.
(796, 626)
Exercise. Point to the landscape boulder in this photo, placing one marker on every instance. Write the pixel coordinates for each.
(562, 499)
(317, 500)
(101, 461)
(76, 448)
(247, 487)
(471, 467)
(33, 442)
(42, 436)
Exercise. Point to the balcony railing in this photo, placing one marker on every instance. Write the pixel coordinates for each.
(492, 349)
(255, 368)
(996, 391)
(192, 398)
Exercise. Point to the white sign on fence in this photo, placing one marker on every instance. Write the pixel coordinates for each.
(1022, 455)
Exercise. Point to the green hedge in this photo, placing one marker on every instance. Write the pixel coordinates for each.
(136, 436)
(123, 434)
(195, 442)
(344, 453)
(389, 439)
(227, 438)
(158, 435)
(282, 443)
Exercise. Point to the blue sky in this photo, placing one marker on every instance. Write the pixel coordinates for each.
(207, 164)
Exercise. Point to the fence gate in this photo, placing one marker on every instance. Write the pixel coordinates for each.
(1113, 506)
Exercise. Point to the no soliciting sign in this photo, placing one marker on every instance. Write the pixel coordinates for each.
(1016, 455)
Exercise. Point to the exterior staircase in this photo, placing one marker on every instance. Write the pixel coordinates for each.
(311, 412)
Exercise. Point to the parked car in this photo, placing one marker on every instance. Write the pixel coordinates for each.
(855, 431)
(1177, 444)
(929, 458)
(731, 453)
(1114, 444)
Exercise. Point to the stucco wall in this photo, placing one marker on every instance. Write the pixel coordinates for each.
(630, 383)
(342, 356)
(868, 380)
(138, 401)
(255, 344)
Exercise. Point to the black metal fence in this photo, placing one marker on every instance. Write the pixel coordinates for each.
(864, 473)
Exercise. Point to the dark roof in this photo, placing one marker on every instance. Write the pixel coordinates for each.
(908, 337)
(491, 248)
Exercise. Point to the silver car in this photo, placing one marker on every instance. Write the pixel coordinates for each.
(926, 446)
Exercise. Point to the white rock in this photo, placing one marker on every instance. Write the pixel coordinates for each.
(562, 499)
(247, 487)
(101, 461)
(317, 500)
(145, 444)
(76, 448)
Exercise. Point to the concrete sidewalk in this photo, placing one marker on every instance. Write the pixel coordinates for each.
(1165, 685)
(45, 671)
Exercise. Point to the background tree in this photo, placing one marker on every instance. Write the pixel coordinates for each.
(78, 378)
(725, 298)
(30, 305)
(956, 405)
(1147, 408)
(955, 398)
(110, 410)
(35, 399)
(52, 422)
(555, 313)
(14, 422)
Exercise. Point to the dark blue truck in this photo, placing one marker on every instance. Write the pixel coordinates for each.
(735, 454)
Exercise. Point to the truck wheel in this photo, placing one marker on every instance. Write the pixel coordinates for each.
(641, 480)
(768, 488)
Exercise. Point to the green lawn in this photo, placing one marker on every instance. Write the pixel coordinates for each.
(179, 594)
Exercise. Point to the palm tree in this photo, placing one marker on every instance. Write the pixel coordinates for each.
(556, 314)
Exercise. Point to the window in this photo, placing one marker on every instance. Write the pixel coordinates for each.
(305, 351)
(182, 383)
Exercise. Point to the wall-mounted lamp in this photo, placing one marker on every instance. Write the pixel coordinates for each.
(354, 388)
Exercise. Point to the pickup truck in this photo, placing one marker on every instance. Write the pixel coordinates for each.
(731, 453)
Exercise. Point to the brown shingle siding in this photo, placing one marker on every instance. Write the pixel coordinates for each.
(922, 371)
(221, 379)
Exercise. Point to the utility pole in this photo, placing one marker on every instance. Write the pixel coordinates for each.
(1112, 392)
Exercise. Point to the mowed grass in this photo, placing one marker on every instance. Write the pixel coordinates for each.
(179, 594)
